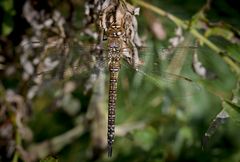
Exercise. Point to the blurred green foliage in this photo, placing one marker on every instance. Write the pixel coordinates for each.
(9, 12)
(160, 122)
(49, 159)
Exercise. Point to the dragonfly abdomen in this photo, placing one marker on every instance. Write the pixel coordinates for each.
(114, 68)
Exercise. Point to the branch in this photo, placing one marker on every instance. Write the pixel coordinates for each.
(55, 144)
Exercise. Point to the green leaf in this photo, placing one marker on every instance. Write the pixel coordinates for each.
(233, 110)
(233, 50)
(145, 138)
(197, 20)
(9, 12)
(236, 94)
(49, 159)
(217, 31)
(184, 136)
(7, 5)
(235, 102)
(6, 29)
(232, 105)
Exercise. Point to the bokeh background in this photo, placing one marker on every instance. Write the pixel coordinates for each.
(59, 113)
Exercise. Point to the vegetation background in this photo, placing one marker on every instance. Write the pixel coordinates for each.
(58, 120)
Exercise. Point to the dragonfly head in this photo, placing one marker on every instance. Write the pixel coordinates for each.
(115, 31)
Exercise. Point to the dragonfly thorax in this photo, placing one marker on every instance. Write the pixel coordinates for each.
(114, 55)
(114, 45)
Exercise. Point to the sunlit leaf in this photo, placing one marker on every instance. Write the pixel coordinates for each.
(217, 31)
(233, 50)
(145, 138)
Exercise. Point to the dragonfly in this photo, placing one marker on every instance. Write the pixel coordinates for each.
(118, 22)
(73, 58)
(61, 58)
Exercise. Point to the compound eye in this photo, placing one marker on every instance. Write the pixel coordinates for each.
(117, 26)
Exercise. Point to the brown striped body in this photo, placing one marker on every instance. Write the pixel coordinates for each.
(114, 54)
(114, 68)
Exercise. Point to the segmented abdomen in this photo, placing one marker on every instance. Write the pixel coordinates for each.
(114, 68)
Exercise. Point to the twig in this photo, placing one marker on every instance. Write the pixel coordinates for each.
(18, 142)
(18, 139)
(55, 144)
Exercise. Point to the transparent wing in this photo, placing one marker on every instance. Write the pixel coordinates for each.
(164, 67)
(168, 68)
(59, 59)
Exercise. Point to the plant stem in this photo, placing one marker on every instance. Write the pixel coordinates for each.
(18, 143)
